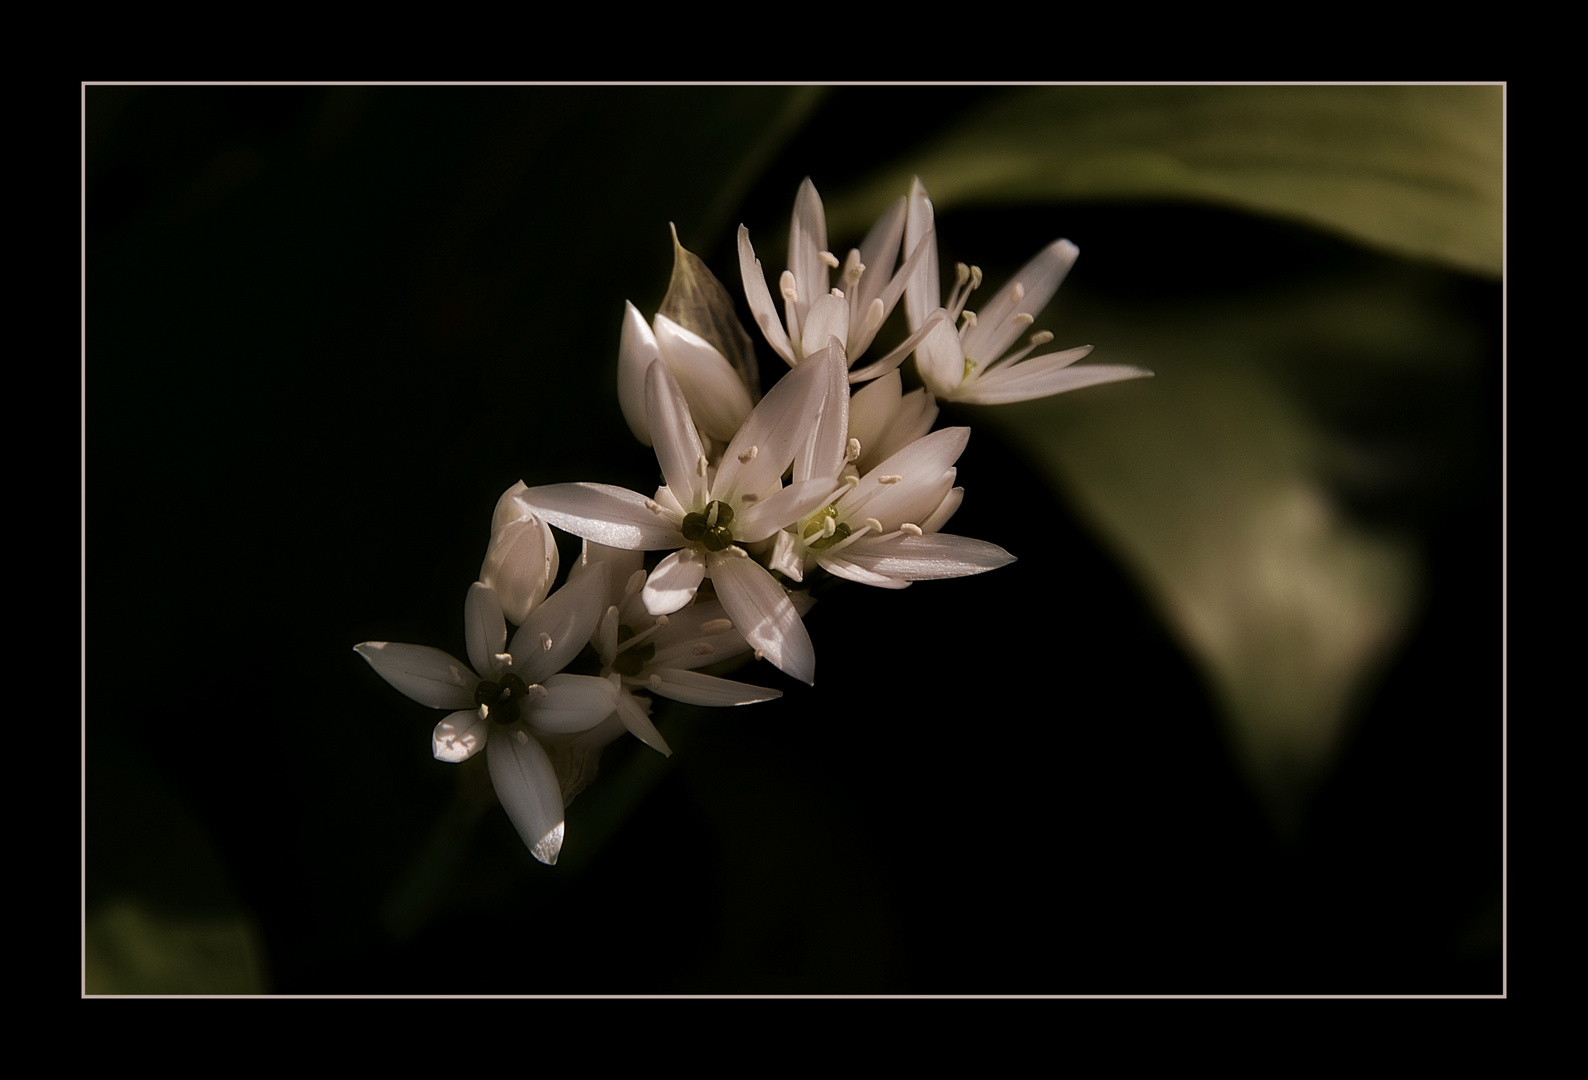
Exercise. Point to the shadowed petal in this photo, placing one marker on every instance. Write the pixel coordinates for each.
(567, 704)
(557, 630)
(693, 688)
(527, 786)
(614, 516)
(428, 676)
(673, 583)
(460, 736)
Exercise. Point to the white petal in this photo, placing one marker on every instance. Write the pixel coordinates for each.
(678, 448)
(828, 318)
(568, 704)
(1039, 279)
(821, 453)
(637, 349)
(527, 786)
(762, 519)
(428, 676)
(777, 428)
(926, 558)
(560, 628)
(1040, 377)
(520, 563)
(761, 611)
(940, 361)
(674, 581)
(460, 736)
(693, 688)
(484, 629)
(631, 710)
(807, 239)
(614, 516)
(718, 399)
(760, 298)
(923, 289)
(922, 467)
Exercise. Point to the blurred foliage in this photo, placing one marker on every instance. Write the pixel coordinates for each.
(1414, 170)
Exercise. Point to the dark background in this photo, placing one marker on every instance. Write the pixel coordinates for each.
(326, 327)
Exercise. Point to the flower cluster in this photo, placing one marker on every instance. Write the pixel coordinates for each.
(835, 471)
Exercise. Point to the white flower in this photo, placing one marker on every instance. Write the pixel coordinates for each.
(852, 313)
(707, 514)
(660, 653)
(973, 364)
(884, 529)
(518, 692)
(717, 397)
(521, 561)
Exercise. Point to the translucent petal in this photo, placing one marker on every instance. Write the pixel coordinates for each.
(678, 448)
(521, 561)
(923, 289)
(926, 558)
(632, 712)
(428, 676)
(526, 784)
(776, 429)
(760, 298)
(807, 239)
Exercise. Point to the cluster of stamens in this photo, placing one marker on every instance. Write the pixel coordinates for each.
(500, 700)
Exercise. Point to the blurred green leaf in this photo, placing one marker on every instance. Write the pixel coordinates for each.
(1220, 484)
(132, 948)
(1413, 170)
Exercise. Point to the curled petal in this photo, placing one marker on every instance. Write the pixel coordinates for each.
(526, 784)
(460, 736)
(428, 676)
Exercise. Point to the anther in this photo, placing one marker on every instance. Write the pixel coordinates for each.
(975, 278)
(829, 258)
(522, 737)
(747, 456)
(653, 506)
(852, 451)
(838, 294)
(853, 268)
(702, 648)
(661, 620)
(545, 642)
(1018, 291)
(967, 319)
(654, 682)
(913, 530)
(1024, 317)
(701, 465)
(873, 524)
(890, 478)
(786, 286)
(716, 626)
(636, 582)
(1041, 337)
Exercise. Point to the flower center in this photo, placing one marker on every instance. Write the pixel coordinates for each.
(631, 659)
(500, 699)
(823, 529)
(712, 528)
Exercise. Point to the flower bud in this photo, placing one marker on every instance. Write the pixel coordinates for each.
(521, 560)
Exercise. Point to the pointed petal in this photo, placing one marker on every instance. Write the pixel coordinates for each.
(941, 361)
(527, 786)
(762, 612)
(460, 736)
(428, 676)
(673, 583)
(718, 399)
(927, 558)
(693, 688)
(762, 519)
(632, 712)
(775, 430)
(614, 516)
(923, 288)
(567, 704)
(828, 318)
(560, 628)
(1039, 279)
(807, 240)
(678, 448)
(760, 298)
(484, 629)
(821, 455)
(1043, 376)
(637, 349)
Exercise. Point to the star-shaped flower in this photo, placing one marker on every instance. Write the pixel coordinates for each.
(517, 700)
(973, 364)
(706, 514)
